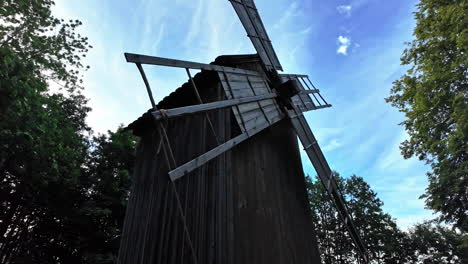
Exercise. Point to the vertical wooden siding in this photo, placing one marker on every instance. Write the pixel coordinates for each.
(247, 206)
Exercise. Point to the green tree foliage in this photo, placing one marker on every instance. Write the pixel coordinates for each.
(52, 45)
(109, 168)
(433, 94)
(63, 193)
(437, 244)
(424, 243)
(384, 241)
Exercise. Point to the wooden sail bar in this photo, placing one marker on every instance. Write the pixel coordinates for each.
(326, 176)
(253, 25)
(215, 152)
(193, 109)
(144, 59)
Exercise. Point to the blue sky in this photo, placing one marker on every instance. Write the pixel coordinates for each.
(349, 48)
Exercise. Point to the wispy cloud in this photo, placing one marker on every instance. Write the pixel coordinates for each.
(343, 45)
(157, 42)
(334, 144)
(392, 157)
(344, 10)
(290, 12)
(306, 30)
(195, 23)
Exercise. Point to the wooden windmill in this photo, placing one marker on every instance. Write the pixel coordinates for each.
(218, 176)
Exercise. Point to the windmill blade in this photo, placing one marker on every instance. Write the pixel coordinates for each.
(250, 18)
(248, 94)
(201, 108)
(152, 60)
(309, 97)
(252, 117)
(254, 114)
(325, 174)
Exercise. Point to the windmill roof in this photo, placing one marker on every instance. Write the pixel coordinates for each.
(184, 95)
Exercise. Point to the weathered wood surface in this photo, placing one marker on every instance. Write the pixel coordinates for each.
(144, 59)
(252, 115)
(153, 230)
(303, 100)
(193, 109)
(272, 219)
(253, 25)
(325, 174)
(247, 205)
(218, 150)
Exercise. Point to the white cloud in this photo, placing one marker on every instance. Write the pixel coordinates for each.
(344, 10)
(344, 43)
(334, 144)
(409, 221)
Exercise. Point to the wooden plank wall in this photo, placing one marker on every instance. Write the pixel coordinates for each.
(272, 219)
(247, 206)
(153, 230)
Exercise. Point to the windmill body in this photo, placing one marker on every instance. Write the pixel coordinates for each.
(218, 176)
(248, 205)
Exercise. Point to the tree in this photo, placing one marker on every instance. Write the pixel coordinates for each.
(109, 168)
(433, 95)
(63, 192)
(385, 243)
(43, 145)
(51, 45)
(437, 244)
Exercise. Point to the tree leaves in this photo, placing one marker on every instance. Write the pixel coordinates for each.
(384, 241)
(63, 192)
(52, 45)
(433, 94)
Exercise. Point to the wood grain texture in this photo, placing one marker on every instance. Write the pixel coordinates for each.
(255, 114)
(253, 25)
(247, 205)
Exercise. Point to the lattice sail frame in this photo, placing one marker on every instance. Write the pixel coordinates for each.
(249, 95)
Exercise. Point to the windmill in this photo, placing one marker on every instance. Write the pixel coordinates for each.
(218, 177)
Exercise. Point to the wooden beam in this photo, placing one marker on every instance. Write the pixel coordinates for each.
(322, 106)
(310, 91)
(325, 174)
(292, 75)
(213, 153)
(193, 109)
(143, 59)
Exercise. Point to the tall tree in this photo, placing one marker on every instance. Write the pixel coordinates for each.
(43, 145)
(437, 244)
(384, 241)
(433, 95)
(52, 45)
(62, 192)
(109, 168)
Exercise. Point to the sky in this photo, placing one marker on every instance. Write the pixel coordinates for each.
(351, 50)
